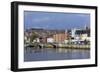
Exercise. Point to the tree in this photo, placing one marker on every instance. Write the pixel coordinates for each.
(33, 36)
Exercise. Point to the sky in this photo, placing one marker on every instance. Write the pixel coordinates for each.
(55, 20)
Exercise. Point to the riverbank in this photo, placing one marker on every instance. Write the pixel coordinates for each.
(71, 46)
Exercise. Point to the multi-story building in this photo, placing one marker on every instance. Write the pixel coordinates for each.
(60, 37)
(80, 35)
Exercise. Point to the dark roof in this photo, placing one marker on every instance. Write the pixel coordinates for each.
(83, 32)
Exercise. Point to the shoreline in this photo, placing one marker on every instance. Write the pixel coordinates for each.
(59, 46)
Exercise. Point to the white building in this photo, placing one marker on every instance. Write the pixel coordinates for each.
(27, 40)
(80, 35)
(73, 32)
(36, 40)
(66, 41)
(50, 40)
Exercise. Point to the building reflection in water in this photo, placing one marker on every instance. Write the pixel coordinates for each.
(41, 54)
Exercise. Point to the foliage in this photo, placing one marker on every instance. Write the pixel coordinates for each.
(33, 36)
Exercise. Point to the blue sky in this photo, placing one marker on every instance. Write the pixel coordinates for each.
(54, 20)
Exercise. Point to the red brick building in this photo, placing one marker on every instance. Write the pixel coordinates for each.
(60, 37)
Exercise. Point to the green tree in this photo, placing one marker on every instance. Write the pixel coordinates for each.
(33, 36)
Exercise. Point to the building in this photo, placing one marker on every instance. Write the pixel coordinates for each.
(43, 39)
(60, 37)
(80, 35)
(50, 40)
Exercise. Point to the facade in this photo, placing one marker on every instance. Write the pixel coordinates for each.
(60, 37)
(50, 40)
(43, 39)
(73, 31)
(80, 36)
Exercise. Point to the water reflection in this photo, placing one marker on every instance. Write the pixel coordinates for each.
(41, 54)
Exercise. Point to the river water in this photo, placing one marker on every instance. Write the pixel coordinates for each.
(44, 54)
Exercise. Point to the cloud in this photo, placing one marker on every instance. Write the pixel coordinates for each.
(42, 19)
(83, 15)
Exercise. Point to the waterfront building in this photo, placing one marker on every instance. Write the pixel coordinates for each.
(80, 36)
(60, 37)
(50, 40)
(43, 39)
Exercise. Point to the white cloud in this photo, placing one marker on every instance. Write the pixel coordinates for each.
(83, 15)
(43, 19)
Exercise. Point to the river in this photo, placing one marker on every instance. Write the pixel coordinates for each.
(44, 54)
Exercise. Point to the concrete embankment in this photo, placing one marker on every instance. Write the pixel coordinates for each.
(71, 46)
